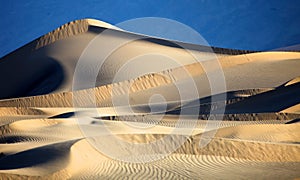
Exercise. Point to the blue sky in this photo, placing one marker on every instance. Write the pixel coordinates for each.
(253, 25)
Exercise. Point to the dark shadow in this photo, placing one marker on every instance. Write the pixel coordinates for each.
(29, 76)
(16, 139)
(106, 118)
(63, 115)
(37, 156)
(272, 101)
(2, 155)
(267, 102)
(293, 121)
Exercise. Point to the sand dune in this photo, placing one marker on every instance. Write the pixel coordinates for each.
(51, 130)
(52, 58)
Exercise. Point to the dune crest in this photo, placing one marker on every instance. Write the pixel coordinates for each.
(71, 29)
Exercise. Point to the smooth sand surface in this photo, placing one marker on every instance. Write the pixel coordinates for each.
(50, 130)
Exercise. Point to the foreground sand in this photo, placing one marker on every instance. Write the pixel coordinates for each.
(41, 136)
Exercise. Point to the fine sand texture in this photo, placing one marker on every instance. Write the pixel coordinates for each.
(150, 109)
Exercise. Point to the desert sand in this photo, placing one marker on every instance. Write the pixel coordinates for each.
(51, 129)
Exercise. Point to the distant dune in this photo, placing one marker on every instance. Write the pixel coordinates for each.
(51, 130)
(295, 48)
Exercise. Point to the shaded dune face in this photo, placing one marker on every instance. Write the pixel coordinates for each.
(50, 131)
(270, 101)
(46, 154)
(30, 76)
